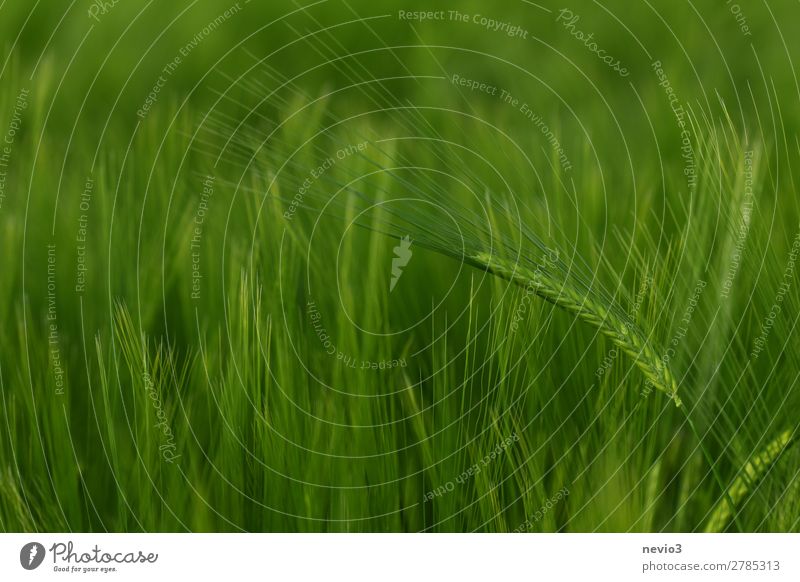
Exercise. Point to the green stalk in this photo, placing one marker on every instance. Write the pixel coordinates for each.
(729, 503)
(749, 477)
(622, 332)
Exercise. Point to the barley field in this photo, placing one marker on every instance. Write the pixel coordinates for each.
(349, 266)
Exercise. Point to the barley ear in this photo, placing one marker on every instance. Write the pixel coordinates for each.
(751, 474)
(622, 333)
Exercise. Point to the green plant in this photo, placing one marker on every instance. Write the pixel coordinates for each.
(748, 480)
(622, 332)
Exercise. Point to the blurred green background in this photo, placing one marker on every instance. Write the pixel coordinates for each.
(273, 434)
